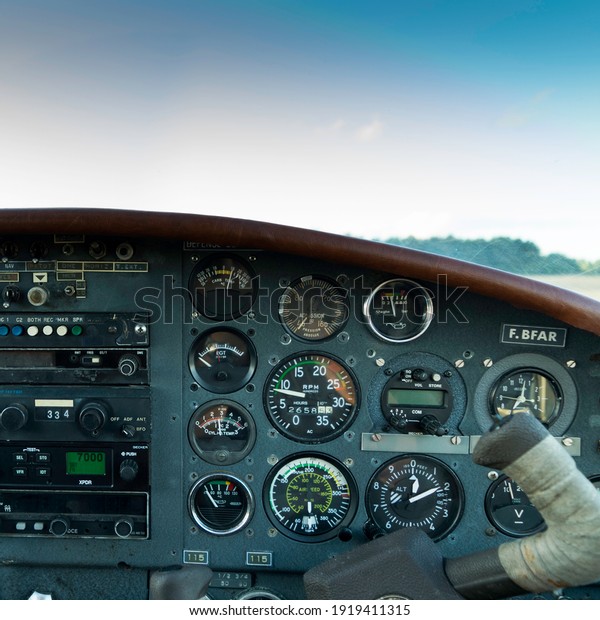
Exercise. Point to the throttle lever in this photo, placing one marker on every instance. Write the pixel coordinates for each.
(567, 554)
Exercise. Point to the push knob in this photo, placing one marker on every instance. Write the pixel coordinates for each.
(123, 528)
(59, 526)
(92, 417)
(128, 470)
(13, 417)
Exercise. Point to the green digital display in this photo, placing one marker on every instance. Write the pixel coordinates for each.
(416, 398)
(86, 463)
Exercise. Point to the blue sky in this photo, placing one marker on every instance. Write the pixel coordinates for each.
(422, 117)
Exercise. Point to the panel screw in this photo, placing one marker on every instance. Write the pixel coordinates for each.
(376, 437)
(567, 442)
(490, 531)
(571, 364)
(273, 460)
(380, 362)
(459, 363)
(348, 462)
(493, 475)
(488, 362)
(455, 441)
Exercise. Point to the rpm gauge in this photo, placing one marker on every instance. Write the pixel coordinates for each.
(313, 308)
(527, 390)
(415, 491)
(310, 498)
(311, 398)
(223, 287)
(399, 310)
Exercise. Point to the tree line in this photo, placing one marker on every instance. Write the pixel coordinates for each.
(514, 255)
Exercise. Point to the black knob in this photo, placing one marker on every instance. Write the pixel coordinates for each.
(128, 365)
(13, 417)
(123, 528)
(59, 526)
(92, 417)
(419, 375)
(11, 294)
(128, 430)
(128, 470)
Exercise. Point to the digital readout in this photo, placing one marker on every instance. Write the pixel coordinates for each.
(416, 398)
(86, 463)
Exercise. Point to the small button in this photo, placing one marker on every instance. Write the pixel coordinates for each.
(42, 457)
(38, 526)
(19, 457)
(17, 330)
(33, 330)
(48, 330)
(4, 330)
(20, 526)
(20, 472)
(43, 472)
(76, 330)
(62, 330)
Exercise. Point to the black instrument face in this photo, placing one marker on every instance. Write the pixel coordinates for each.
(510, 510)
(415, 491)
(313, 308)
(222, 360)
(222, 432)
(399, 310)
(310, 498)
(527, 390)
(221, 504)
(223, 287)
(311, 398)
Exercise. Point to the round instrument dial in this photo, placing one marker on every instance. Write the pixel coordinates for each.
(222, 360)
(527, 390)
(310, 498)
(221, 504)
(223, 287)
(510, 510)
(311, 398)
(222, 432)
(399, 310)
(415, 491)
(313, 308)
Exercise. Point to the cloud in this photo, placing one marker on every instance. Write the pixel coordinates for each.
(370, 132)
(520, 115)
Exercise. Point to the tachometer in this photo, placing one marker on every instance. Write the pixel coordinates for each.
(310, 498)
(311, 398)
(415, 491)
(313, 308)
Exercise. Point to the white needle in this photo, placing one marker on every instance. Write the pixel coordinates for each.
(290, 392)
(511, 491)
(416, 498)
(205, 362)
(210, 497)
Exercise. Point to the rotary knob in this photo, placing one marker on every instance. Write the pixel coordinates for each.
(128, 365)
(128, 470)
(92, 417)
(13, 417)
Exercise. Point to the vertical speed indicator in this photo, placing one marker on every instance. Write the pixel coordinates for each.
(311, 398)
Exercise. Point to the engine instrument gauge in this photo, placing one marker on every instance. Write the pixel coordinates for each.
(310, 498)
(221, 504)
(222, 360)
(221, 432)
(313, 308)
(415, 491)
(311, 398)
(510, 510)
(223, 287)
(527, 390)
(399, 310)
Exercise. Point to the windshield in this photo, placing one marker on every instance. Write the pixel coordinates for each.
(467, 128)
